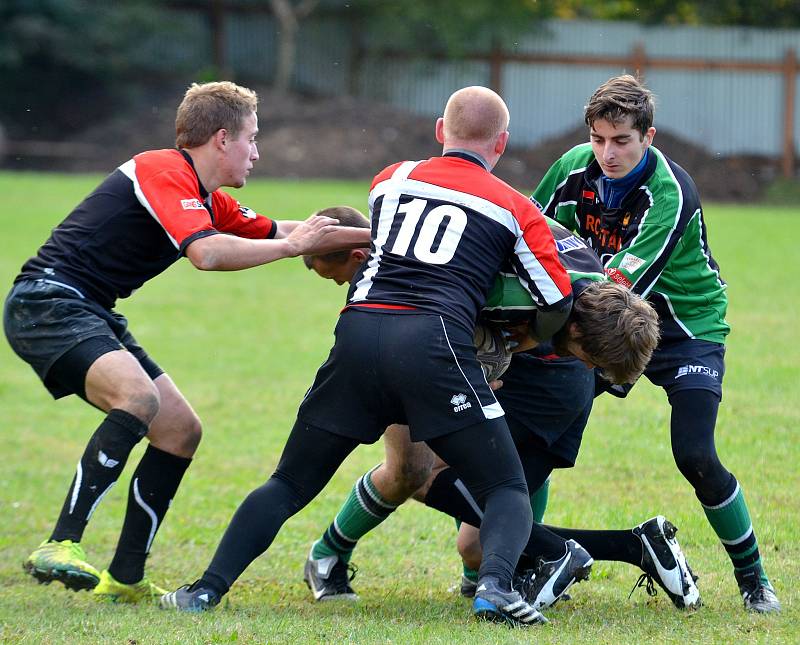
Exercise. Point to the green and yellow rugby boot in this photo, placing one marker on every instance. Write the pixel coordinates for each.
(63, 561)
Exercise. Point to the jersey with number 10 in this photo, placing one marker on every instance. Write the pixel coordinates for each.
(441, 228)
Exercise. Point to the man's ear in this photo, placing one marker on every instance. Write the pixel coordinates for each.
(358, 254)
(440, 130)
(220, 138)
(501, 142)
(651, 132)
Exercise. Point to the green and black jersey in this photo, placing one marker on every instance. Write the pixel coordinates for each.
(654, 243)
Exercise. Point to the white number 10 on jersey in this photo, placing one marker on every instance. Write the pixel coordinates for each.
(427, 229)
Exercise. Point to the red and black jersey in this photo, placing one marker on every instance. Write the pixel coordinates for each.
(441, 229)
(135, 224)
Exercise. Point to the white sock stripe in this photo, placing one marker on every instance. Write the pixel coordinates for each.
(739, 540)
(342, 533)
(362, 504)
(726, 502)
(98, 500)
(149, 511)
(373, 493)
(76, 488)
(468, 496)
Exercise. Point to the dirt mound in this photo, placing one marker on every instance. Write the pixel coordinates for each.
(342, 137)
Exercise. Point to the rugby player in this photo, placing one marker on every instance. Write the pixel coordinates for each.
(59, 317)
(641, 214)
(404, 352)
(547, 399)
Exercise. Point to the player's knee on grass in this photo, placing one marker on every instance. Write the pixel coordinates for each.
(469, 546)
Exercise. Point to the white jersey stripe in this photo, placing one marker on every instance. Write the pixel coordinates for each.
(388, 209)
(399, 183)
(129, 170)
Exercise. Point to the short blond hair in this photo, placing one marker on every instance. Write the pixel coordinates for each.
(209, 107)
(475, 114)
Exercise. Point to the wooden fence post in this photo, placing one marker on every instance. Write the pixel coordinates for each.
(790, 69)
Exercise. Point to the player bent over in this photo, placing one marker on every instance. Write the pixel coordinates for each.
(642, 215)
(59, 317)
(547, 399)
(404, 352)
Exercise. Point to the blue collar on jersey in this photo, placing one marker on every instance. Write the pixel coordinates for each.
(469, 155)
(613, 191)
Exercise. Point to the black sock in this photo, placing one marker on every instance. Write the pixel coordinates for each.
(615, 546)
(449, 495)
(542, 543)
(153, 485)
(99, 467)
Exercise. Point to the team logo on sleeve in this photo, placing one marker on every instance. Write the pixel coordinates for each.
(631, 263)
(192, 204)
(247, 212)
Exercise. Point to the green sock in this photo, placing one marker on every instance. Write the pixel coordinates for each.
(539, 501)
(731, 522)
(361, 512)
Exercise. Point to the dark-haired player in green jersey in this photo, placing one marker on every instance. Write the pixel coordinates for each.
(641, 213)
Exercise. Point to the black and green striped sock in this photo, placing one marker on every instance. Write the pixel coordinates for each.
(730, 520)
(361, 512)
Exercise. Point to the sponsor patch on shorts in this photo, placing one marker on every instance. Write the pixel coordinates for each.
(696, 369)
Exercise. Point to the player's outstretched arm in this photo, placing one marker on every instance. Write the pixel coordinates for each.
(232, 253)
(342, 238)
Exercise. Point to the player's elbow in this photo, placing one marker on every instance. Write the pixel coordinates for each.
(203, 255)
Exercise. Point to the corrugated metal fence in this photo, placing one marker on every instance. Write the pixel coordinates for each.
(730, 90)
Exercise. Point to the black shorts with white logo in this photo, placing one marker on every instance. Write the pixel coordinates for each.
(384, 368)
(60, 333)
(688, 365)
(551, 399)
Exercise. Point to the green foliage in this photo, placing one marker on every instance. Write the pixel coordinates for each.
(62, 60)
(765, 13)
(449, 26)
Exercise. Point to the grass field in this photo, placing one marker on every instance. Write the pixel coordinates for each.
(244, 346)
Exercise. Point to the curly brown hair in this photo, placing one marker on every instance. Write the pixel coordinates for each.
(617, 329)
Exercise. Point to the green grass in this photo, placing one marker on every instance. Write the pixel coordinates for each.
(244, 346)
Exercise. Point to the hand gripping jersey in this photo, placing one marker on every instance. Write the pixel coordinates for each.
(655, 242)
(509, 302)
(441, 229)
(136, 224)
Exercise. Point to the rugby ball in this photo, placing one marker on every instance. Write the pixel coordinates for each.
(492, 352)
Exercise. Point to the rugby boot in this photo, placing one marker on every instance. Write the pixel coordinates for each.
(495, 605)
(192, 598)
(64, 561)
(549, 581)
(757, 594)
(329, 578)
(111, 590)
(663, 561)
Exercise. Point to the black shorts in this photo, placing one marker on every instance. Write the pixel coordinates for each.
(416, 369)
(60, 333)
(689, 364)
(551, 399)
